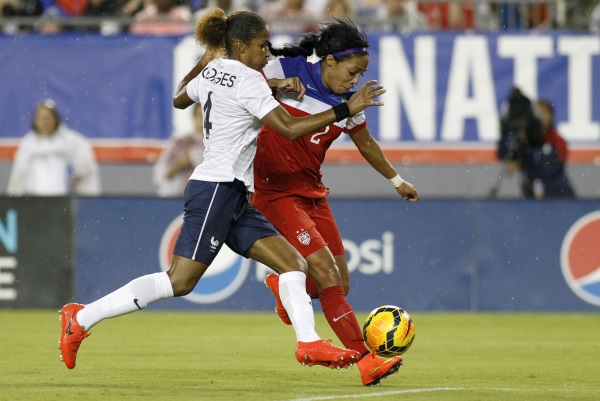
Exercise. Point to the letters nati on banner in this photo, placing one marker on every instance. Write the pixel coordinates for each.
(442, 88)
(580, 259)
(229, 270)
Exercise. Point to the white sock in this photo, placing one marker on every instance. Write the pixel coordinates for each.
(133, 296)
(292, 291)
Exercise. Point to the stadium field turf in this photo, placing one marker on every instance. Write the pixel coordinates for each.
(250, 356)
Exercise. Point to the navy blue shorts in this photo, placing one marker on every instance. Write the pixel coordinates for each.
(217, 213)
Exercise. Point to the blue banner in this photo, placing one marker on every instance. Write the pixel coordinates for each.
(105, 87)
(435, 256)
(442, 88)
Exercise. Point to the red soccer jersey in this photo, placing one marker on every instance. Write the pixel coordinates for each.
(284, 167)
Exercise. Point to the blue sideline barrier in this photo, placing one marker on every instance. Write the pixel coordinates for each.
(431, 256)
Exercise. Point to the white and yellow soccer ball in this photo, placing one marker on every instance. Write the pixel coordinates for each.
(389, 330)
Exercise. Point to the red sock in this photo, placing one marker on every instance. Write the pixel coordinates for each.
(311, 287)
(341, 318)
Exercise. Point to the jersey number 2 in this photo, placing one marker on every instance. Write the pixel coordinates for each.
(206, 109)
(314, 139)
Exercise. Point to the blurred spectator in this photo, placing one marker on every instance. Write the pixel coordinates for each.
(400, 16)
(53, 160)
(102, 8)
(486, 16)
(367, 8)
(181, 155)
(595, 20)
(18, 8)
(525, 16)
(539, 16)
(448, 15)
(105, 9)
(65, 8)
(454, 15)
(338, 9)
(551, 158)
(229, 6)
(54, 10)
(289, 16)
(162, 17)
(132, 7)
(530, 144)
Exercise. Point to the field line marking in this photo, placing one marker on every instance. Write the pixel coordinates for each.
(425, 390)
(378, 394)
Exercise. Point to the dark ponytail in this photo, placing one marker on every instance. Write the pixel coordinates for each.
(333, 37)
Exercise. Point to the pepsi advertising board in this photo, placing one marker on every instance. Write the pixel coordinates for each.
(580, 257)
(429, 256)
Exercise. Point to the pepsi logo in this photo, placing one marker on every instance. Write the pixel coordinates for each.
(580, 258)
(222, 279)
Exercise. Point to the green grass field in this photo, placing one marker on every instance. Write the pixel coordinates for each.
(230, 356)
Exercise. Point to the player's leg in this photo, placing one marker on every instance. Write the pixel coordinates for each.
(337, 310)
(255, 237)
(77, 319)
(289, 216)
(197, 252)
(277, 253)
(300, 222)
(342, 264)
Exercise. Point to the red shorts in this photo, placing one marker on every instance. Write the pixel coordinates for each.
(307, 224)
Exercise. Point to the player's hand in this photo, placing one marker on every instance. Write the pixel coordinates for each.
(364, 97)
(289, 85)
(408, 192)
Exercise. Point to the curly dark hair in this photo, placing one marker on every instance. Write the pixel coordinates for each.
(214, 30)
(338, 35)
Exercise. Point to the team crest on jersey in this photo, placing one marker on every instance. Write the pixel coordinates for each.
(213, 244)
(303, 237)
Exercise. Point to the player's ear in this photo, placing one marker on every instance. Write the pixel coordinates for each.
(329, 60)
(239, 46)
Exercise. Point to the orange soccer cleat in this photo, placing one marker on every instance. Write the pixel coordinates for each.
(373, 368)
(272, 282)
(322, 353)
(72, 334)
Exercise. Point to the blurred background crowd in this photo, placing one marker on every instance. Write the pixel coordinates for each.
(176, 17)
(56, 147)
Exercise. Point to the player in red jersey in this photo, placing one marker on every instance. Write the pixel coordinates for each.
(289, 190)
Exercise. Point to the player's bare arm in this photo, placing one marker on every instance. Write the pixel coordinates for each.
(288, 85)
(293, 128)
(371, 151)
(182, 102)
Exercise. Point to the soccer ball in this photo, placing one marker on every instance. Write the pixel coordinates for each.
(389, 330)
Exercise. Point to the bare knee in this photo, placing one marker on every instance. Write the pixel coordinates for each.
(181, 286)
(278, 254)
(325, 273)
(298, 264)
(184, 275)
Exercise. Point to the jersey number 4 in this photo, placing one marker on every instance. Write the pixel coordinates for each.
(206, 109)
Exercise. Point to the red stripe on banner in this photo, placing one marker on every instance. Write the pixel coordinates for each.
(340, 155)
(128, 154)
(106, 153)
(448, 155)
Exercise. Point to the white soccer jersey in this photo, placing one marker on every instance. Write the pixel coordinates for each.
(234, 98)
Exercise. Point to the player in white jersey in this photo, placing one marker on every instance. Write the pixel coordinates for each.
(235, 98)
